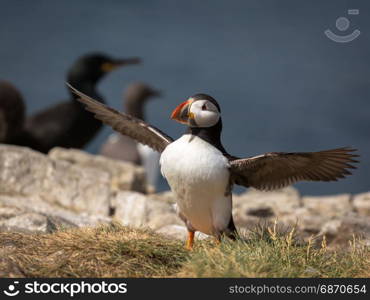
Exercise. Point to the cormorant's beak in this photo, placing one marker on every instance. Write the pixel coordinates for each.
(182, 113)
(110, 66)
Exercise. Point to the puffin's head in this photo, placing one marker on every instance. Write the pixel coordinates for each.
(200, 110)
(94, 66)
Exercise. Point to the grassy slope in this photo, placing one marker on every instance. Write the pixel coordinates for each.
(117, 251)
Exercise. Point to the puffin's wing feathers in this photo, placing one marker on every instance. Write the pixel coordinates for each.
(278, 169)
(125, 124)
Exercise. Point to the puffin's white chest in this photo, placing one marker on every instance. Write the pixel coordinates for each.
(198, 174)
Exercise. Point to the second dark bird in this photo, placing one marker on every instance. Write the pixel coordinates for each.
(122, 147)
(12, 112)
(67, 124)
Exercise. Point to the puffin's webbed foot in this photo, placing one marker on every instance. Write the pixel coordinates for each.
(190, 241)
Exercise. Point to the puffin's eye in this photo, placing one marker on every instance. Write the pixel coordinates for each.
(204, 107)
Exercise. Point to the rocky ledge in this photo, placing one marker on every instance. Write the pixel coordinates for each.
(70, 188)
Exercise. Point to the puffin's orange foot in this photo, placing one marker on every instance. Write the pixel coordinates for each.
(190, 241)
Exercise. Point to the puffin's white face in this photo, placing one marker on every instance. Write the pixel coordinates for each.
(204, 114)
(197, 113)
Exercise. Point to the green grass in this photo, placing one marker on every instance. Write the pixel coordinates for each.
(117, 251)
(269, 254)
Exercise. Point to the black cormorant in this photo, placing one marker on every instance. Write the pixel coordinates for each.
(67, 124)
(12, 112)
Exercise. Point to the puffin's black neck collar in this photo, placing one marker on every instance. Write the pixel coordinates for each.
(211, 135)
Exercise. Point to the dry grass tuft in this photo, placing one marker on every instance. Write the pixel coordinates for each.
(118, 251)
(105, 251)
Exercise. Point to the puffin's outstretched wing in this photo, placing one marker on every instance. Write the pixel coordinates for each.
(125, 124)
(278, 169)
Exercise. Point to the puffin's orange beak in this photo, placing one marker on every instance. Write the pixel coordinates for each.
(181, 113)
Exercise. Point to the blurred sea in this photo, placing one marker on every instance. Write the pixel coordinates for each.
(282, 84)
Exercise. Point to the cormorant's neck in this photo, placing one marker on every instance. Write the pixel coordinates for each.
(134, 106)
(211, 135)
(87, 87)
(84, 84)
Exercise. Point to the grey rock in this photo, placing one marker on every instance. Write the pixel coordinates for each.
(250, 207)
(22, 170)
(340, 231)
(361, 203)
(16, 212)
(71, 179)
(305, 220)
(329, 206)
(122, 175)
(78, 189)
(32, 222)
(19, 220)
(139, 210)
(25, 172)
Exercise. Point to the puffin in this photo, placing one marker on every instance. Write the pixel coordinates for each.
(67, 124)
(201, 173)
(12, 112)
(124, 148)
